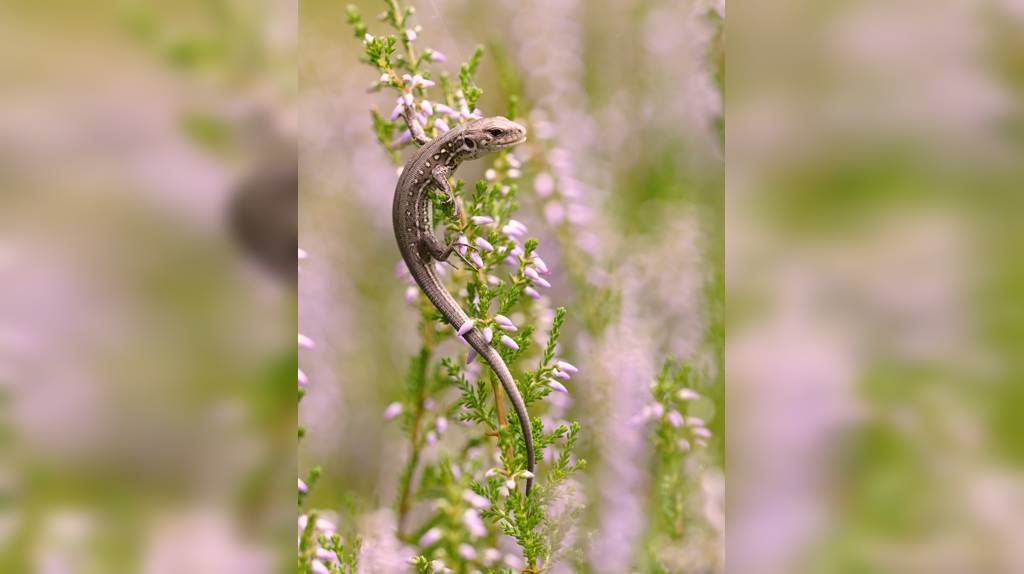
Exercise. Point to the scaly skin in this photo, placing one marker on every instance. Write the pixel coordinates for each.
(429, 169)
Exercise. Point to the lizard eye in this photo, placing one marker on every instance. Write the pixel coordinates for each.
(494, 132)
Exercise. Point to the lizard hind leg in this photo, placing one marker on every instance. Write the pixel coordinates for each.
(441, 252)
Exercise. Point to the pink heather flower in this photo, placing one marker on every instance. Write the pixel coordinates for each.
(688, 395)
(399, 107)
(393, 410)
(427, 108)
(702, 432)
(430, 537)
(567, 366)
(402, 138)
(539, 264)
(543, 184)
(561, 374)
(466, 327)
(410, 295)
(558, 386)
(488, 334)
(514, 173)
(476, 259)
(531, 273)
(695, 422)
(505, 323)
(302, 254)
(305, 342)
(441, 125)
(441, 425)
(367, 38)
(476, 527)
(422, 119)
(701, 443)
(683, 444)
(490, 175)
(493, 281)
(491, 555)
(436, 56)
(509, 342)
(407, 98)
(514, 228)
(470, 356)
(431, 438)
(462, 243)
(384, 78)
(467, 552)
(443, 109)
(302, 486)
(675, 419)
(325, 554)
(514, 562)
(531, 293)
(657, 410)
(410, 35)
(483, 244)
(554, 212)
(325, 526)
(317, 566)
(513, 160)
(475, 499)
(303, 379)
(482, 220)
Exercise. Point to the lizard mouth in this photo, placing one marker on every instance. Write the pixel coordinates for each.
(517, 139)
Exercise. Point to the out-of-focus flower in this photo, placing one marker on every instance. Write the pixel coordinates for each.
(476, 500)
(392, 411)
(430, 537)
(474, 524)
(482, 220)
(303, 379)
(302, 486)
(558, 386)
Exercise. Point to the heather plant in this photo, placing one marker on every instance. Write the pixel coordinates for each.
(464, 508)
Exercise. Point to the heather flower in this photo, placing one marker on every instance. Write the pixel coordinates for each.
(483, 244)
(482, 220)
(509, 342)
(430, 537)
(505, 323)
(476, 259)
(441, 125)
(303, 488)
(488, 334)
(476, 500)
(702, 432)
(392, 411)
(540, 264)
(695, 422)
(305, 342)
(687, 395)
(567, 366)
(441, 425)
(467, 327)
(531, 293)
(558, 386)
(303, 379)
(675, 419)
(467, 552)
(470, 356)
(411, 293)
(474, 524)
(561, 374)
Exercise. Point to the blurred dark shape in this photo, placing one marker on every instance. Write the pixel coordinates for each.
(263, 215)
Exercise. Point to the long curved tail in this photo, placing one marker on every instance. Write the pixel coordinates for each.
(493, 358)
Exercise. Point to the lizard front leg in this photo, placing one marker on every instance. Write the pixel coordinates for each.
(439, 175)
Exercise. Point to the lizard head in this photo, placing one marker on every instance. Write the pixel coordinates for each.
(483, 136)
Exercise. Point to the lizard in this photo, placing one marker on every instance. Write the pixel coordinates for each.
(412, 214)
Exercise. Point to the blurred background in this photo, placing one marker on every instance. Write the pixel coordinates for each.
(147, 347)
(874, 286)
(622, 183)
